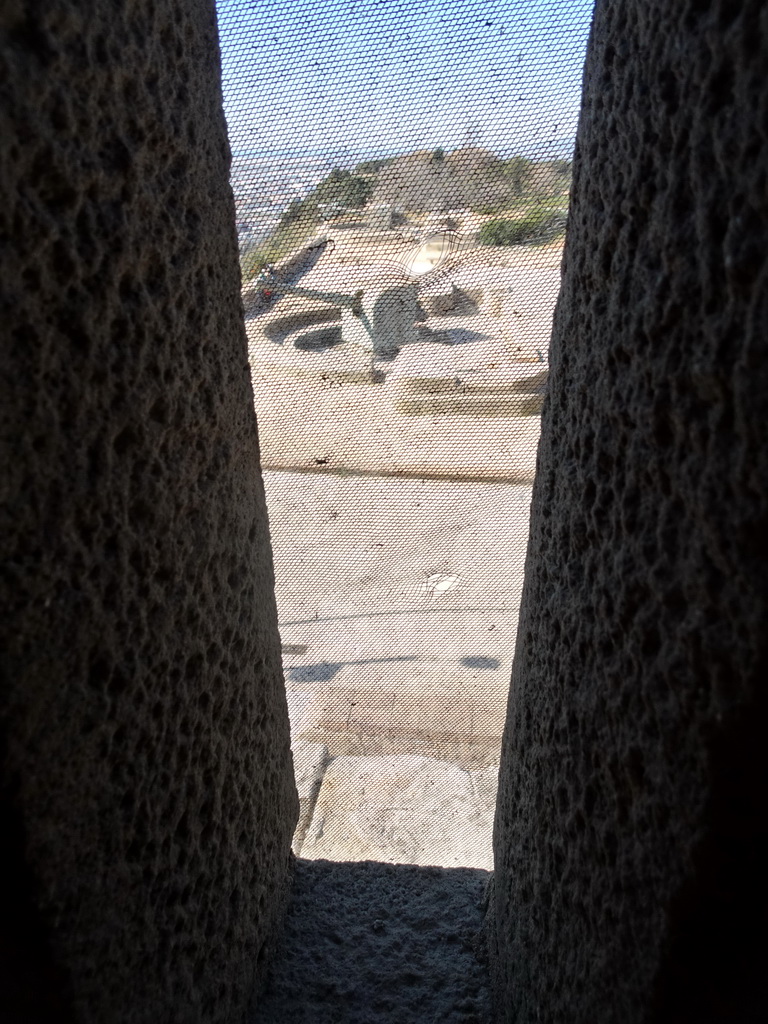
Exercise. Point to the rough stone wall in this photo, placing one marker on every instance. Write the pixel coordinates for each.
(148, 800)
(630, 832)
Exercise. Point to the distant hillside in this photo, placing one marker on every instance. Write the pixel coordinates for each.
(432, 181)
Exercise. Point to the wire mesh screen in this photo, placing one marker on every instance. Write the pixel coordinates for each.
(401, 176)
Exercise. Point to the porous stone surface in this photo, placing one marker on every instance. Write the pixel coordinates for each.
(630, 833)
(406, 809)
(368, 943)
(147, 792)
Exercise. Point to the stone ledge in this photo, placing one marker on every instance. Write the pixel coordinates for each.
(407, 809)
(368, 943)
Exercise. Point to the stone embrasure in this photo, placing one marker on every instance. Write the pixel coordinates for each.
(148, 800)
(368, 943)
(630, 832)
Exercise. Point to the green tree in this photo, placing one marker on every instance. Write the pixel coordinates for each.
(344, 188)
(296, 210)
(517, 171)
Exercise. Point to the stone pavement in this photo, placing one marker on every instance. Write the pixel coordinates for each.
(459, 401)
(316, 424)
(397, 603)
(399, 547)
(403, 809)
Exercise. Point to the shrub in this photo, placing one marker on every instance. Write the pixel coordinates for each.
(289, 236)
(534, 228)
(344, 189)
(252, 263)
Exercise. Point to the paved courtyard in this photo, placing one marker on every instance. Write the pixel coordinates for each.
(398, 603)
(459, 403)
(399, 497)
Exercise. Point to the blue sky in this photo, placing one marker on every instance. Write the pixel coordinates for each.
(372, 77)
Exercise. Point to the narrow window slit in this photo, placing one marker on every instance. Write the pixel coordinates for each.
(401, 179)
